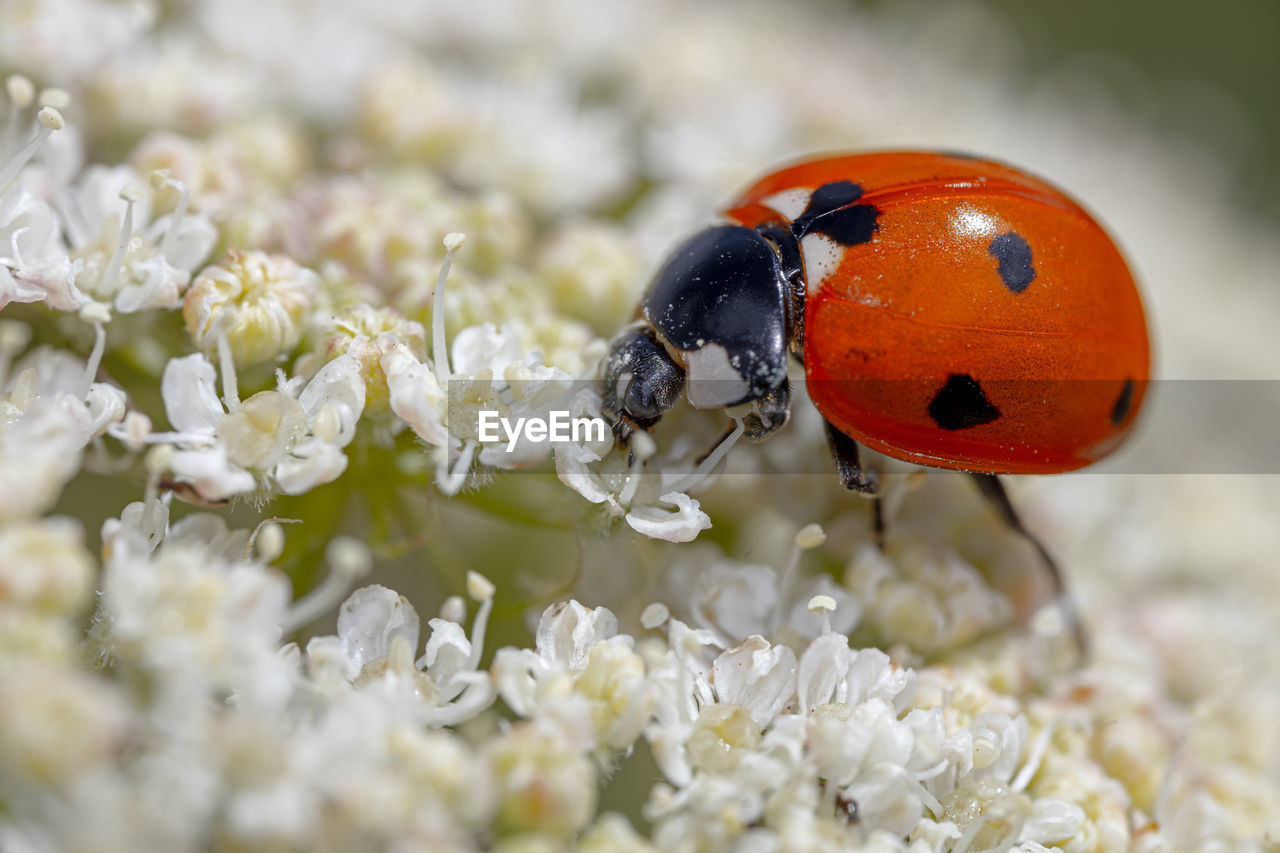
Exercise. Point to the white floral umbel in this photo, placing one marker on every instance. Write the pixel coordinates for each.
(286, 442)
(441, 402)
(287, 174)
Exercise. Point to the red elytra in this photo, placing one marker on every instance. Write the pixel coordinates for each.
(981, 321)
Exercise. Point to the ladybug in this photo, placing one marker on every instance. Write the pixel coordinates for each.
(950, 311)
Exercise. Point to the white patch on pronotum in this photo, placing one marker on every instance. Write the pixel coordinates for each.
(822, 256)
(713, 381)
(790, 203)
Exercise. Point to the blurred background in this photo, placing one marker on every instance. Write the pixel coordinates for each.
(1205, 76)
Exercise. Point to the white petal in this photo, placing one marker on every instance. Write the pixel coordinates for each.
(1052, 822)
(822, 667)
(106, 405)
(448, 651)
(683, 525)
(844, 619)
(211, 474)
(190, 401)
(416, 395)
(141, 525)
(16, 290)
(477, 347)
(327, 655)
(872, 675)
(311, 463)
(735, 598)
(57, 371)
(567, 631)
(40, 453)
(161, 286)
(195, 238)
(515, 674)
(210, 533)
(758, 676)
(29, 229)
(573, 469)
(96, 197)
(57, 281)
(371, 618)
(339, 382)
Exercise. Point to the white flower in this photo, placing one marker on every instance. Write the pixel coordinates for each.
(544, 784)
(581, 676)
(34, 264)
(45, 566)
(47, 418)
(1052, 822)
(682, 525)
(735, 600)
(926, 599)
(371, 619)
(121, 258)
(69, 38)
(251, 302)
(821, 671)
(416, 394)
(545, 148)
(574, 459)
(191, 607)
(568, 631)
(757, 676)
(295, 443)
(489, 373)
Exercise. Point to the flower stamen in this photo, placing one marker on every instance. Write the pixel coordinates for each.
(50, 120)
(808, 537)
(481, 589)
(439, 346)
(227, 370)
(824, 606)
(349, 560)
(131, 194)
(159, 181)
(97, 314)
(21, 94)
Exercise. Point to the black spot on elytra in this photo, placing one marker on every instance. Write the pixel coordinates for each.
(1124, 402)
(961, 404)
(832, 212)
(1014, 258)
(831, 196)
(848, 226)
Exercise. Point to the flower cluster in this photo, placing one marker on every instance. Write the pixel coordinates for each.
(262, 269)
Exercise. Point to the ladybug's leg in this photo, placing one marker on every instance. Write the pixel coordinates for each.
(724, 436)
(854, 477)
(993, 490)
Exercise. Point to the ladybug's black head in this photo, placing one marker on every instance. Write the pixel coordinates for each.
(715, 324)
